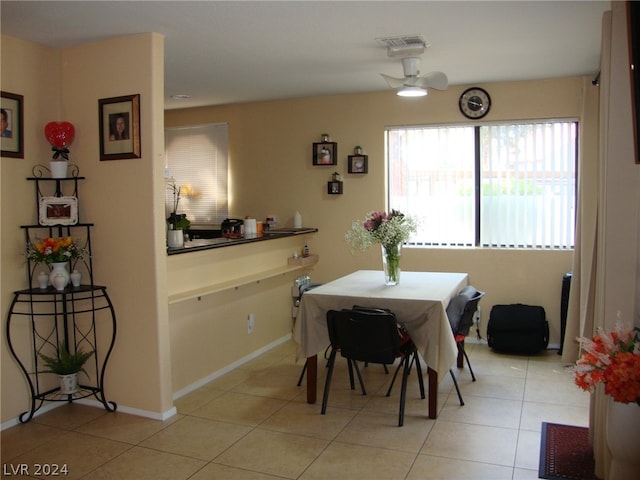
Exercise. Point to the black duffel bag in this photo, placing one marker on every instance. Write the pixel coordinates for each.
(518, 328)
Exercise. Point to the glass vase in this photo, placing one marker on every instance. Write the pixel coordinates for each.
(391, 263)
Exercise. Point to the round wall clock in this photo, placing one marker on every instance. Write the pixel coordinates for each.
(475, 103)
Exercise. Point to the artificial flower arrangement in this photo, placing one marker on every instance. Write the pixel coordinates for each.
(387, 229)
(54, 250)
(176, 220)
(612, 359)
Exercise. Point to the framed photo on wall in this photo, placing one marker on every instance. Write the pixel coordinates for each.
(119, 127)
(325, 153)
(358, 164)
(633, 20)
(334, 187)
(11, 125)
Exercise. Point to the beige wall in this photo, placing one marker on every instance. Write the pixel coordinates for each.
(122, 198)
(271, 172)
(34, 72)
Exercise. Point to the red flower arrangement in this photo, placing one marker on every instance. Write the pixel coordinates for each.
(614, 360)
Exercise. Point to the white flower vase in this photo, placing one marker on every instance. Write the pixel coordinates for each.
(58, 168)
(43, 280)
(175, 238)
(391, 263)
(623, 440)
(59, 269)
(69, 383)
(76, 278)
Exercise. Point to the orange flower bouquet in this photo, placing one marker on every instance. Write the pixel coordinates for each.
(54, 250)
(612, 359)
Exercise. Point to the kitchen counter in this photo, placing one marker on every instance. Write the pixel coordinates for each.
(200, 244)
(210, 269)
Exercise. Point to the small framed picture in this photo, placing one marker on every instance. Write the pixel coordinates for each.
(58, 211)
(325, 153)
(11, 125)
(119, 127)
(334, 187)
(358, 164)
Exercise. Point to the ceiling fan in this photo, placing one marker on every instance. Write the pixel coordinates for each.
(413, 84)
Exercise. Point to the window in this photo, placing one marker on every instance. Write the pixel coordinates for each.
(504, 185)
(196, 158)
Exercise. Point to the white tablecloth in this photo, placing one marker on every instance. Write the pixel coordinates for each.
(419, 302)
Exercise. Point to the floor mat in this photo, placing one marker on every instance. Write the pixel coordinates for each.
(565, 453)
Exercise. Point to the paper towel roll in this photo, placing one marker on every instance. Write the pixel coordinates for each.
(250, 227)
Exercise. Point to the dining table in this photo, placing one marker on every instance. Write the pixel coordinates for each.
(419, 302)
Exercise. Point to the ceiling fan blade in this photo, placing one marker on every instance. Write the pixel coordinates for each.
(392, 81)
(437, 80)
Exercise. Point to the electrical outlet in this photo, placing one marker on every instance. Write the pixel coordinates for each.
(251, 322)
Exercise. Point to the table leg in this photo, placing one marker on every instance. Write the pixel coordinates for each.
(433, 391)
(312, 378)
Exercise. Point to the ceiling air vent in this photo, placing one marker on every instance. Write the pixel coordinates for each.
(403, 45)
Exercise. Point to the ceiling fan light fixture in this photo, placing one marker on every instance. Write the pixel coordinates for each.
(411, 91)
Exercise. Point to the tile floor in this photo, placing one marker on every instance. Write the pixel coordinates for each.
(254, 423)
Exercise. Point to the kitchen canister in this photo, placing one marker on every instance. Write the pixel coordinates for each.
(250, 226)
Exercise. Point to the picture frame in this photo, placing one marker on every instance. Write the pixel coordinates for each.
(119, 127)
(12, 127)
(633, 19)
(334, 187)
(358, 164)
(325, 153)
(58, 211)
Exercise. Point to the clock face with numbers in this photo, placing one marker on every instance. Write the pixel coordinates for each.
(475, 103)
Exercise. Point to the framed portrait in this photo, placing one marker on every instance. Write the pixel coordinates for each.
(58, 211)
(633, 20)
(358, 163)
(325, 153)
(11, 125)
(119, 127)
(334, 187)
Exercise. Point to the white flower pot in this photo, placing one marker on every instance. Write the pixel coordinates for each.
(175, 238)
(69, 383)
(623, 440)
(58, 168)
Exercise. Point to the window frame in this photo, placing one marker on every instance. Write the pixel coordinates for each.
(478, 179)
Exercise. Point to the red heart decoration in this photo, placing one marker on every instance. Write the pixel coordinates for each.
(59, 134)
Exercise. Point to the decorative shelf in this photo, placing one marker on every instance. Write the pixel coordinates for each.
(240, 281)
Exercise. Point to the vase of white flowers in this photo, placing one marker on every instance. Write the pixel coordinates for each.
(390, 230)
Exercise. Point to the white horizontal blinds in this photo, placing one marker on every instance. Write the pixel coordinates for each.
(431, 177)
(528, 185)
(198, 161)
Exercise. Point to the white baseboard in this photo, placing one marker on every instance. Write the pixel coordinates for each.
(158, 415)
(203, 381)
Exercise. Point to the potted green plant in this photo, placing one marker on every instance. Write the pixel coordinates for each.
(177, 221)
(67, 366)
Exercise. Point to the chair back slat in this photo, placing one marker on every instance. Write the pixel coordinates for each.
(466, 321)
(364, 336)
